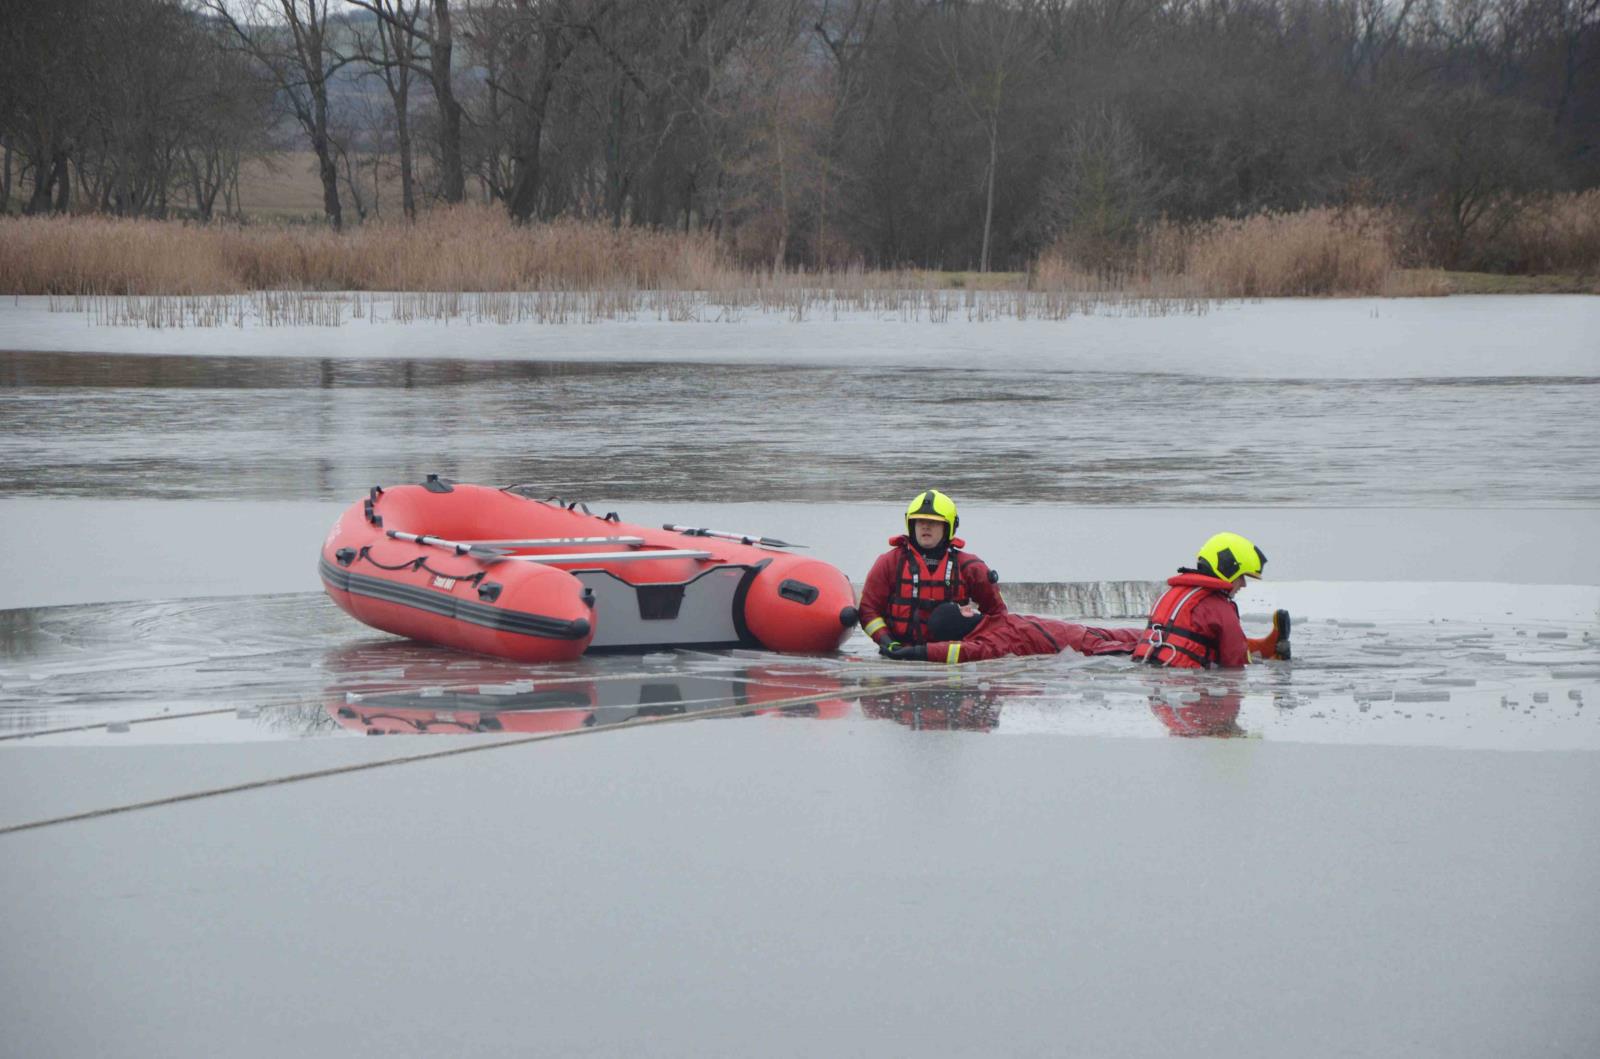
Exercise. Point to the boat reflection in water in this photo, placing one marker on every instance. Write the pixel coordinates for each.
(406, 689)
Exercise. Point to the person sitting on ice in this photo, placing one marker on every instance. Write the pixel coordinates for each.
(924, 567)
(1195, 623)
(962, 634)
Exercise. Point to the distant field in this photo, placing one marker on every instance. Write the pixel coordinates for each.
(287, 186)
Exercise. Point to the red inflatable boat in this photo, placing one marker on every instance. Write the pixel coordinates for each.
(497, 572)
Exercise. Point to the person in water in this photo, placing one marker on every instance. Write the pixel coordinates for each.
(924, 567)
(1195, 623)
(963, 634)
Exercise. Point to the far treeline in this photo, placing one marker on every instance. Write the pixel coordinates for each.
(817, 133)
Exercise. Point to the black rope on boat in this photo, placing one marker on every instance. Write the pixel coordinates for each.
(421, 563)
(409, 564)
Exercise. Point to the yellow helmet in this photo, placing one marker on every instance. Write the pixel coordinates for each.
(933, 506)
(1230, 557)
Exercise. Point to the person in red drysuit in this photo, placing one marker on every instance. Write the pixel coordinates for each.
(961, 634)
(1195, 624)
(926, 566)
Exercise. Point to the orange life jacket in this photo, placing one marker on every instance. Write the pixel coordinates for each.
(1170, 638)
(918, 588)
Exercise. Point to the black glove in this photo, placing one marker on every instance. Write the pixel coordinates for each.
(906, 653)
(885, 646)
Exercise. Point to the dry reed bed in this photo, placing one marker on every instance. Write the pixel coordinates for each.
(459, 249)
(1555, 234)
(470, 263)
(1312, 253)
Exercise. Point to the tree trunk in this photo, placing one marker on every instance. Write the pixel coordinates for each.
(5, 178)
(988, 209)
(328, 170)
(327, 165)
(781, 253)
(822, 212)
(614, 181)
(408, 196)
(524, 193)
(401, 95)
(451, 175)
(63, 183)
(39, 201)
(527, 163)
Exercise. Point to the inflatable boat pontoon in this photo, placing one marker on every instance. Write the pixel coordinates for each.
(497, 572)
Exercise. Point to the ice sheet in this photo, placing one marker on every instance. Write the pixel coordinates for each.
(773, 888)
(1536, 335)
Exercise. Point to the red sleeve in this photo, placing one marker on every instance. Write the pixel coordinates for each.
(984, 592)
(1223, 615)
(971, 651)
(875, 595)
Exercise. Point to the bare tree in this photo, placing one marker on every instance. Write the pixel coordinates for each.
(529, 42)
(846, 30)
(1101, 189)
(392, 51)
(991, 44)
(230, 123)
(290, 39)
(426, 29)
(43, 75)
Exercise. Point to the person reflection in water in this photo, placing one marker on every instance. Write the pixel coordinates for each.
(938, 709)
(960, 633)
(1199, 716)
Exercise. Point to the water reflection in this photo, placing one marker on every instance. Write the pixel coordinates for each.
(388, 689)
(1195, 715)
(291, 666)
(395, 689)
(960, 705)
(239, 427)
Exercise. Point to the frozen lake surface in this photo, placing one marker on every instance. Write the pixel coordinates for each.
(1385, 847)
(1327, 338)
